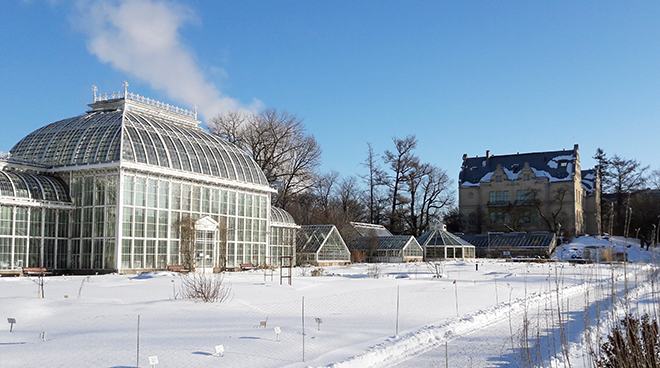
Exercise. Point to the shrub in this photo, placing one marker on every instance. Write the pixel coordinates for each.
(632, 343)
(205, 287)
(317, 271)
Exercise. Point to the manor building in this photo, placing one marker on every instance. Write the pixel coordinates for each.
(542, 191)
(110, 190)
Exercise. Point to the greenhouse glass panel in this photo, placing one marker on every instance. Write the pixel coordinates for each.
(109, 254)
(88, 191)
(129, 186)
(126, 251)
(110, 221)
(20, 252)
(5, 254)
(111, 190)
(21, 221)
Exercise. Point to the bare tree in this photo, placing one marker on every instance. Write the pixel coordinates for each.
(372, 246)
(348, 196)
(455, 221)
(375, 178)
(401, 162)
(414, 179)
(554, 216)
(625, 177)
(278, 143)
(229, 126)
(187, 241)
(654, 179)
(323, 189)
(222, 231)
(436, 196)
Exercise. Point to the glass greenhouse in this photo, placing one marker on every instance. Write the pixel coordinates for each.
(321, 245)
(110, 190)
(440, 244)
(393, 248)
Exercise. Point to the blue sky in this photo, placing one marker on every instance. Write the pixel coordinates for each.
(463, 76)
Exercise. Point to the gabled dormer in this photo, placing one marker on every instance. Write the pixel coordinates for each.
(526, 173)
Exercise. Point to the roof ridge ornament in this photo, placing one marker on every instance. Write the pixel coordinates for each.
(144, 100)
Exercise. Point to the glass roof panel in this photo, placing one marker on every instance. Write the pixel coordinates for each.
(48, 188)
(19, 185)
(36, 192)
(6, 189)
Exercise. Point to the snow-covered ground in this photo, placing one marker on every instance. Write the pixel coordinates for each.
(405, 317)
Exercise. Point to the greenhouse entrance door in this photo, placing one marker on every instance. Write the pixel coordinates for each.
(206, 251)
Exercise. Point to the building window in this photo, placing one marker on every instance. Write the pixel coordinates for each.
(498, 178)
(492, 197)
(526, 176)
(499, 196)
(524, 195)
(505, 196)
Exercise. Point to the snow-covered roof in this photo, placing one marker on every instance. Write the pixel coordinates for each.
(553, 165)
(589, 180)
(365, 229)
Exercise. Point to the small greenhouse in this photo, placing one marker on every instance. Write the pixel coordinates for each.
(393, 248)
(282, 236)
(441, 244)
(321, 245)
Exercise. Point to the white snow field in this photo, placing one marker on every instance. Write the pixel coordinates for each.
(475, 322)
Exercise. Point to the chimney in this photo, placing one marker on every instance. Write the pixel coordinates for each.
(464, 156)
(576, 147)
(487, 153)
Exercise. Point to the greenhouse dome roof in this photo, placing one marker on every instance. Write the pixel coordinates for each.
(33, 186)
(136, 129)
(280, 216)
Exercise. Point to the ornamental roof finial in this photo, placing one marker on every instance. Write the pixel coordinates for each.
(94, 89)
(125, 84)
(195, 110)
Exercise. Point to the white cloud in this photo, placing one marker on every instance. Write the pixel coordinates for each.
(141, 38)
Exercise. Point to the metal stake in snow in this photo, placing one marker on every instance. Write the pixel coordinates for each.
(303, 328)
(137, 365)
(153, 360)
(278, 331)
(318, 323)
(397, 311)
(446, 354)
(456, 293)
(11, 323)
